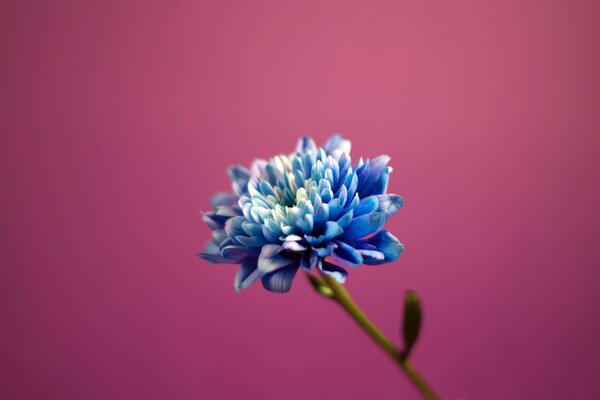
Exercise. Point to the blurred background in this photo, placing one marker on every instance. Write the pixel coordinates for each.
(118, 120)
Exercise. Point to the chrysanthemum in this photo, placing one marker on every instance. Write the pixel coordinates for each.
(303, 210)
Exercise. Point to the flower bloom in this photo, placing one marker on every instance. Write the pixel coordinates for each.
(303, 210)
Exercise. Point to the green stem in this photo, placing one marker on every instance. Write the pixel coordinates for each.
(343, 298)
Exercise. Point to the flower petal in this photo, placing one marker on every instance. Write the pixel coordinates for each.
(345, 220)
(342, 194)
(224, 199)
(347, 254)
(343, 163)
(335, 209)
(364, 225)
(293, 246)
(252, 229)
(387, 244)
(239, 177)
(338, 273)
(214, 221)
(228, 211)
(366, 206)
(269, 234)
(321, 215)
(246, 274)
(281, 280)
(250, 241)
(305, 223)
(219, 236)
(306, 145)
(314, 240)
(233, 226)
(332, 230)
(325, 251)
(271, 259)
(212, 253)
(380, 162)
(380, 185)
(372, 257)
(309, 259)
(235, 254)
(217, 219)
(326, 195)
(258, 167)
(352, 184)
(336, 146)
(373, 176)
(389, 204)
(291, 238)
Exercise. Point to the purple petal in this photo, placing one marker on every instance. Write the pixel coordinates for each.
(252, 229)
(246, 275)
(338, 273)
(224, 199)
(309, 259)
(281, 280)
(233, 226)
(214, 221)
(235, 254)
(271, 259)
(239, 177)
(250, 241)
(211, 253)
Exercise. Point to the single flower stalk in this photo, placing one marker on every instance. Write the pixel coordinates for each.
(303, 210)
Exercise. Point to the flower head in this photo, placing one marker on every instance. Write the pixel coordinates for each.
(302, 210)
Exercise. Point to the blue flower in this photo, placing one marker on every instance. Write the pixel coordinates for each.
(303, 210)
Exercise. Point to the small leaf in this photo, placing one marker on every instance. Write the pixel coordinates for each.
(320, 286)
(412, 320)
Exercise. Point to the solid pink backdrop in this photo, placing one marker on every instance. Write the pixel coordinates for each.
(118, 120)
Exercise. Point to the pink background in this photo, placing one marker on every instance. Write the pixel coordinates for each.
(117, 122)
